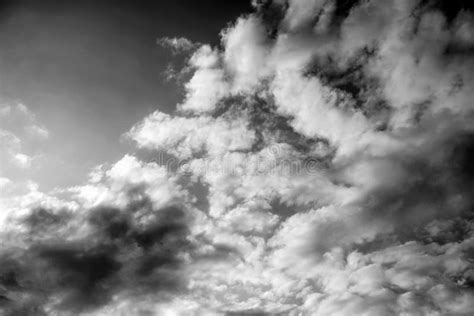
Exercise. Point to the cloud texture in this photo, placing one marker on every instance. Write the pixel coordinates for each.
(322, 166)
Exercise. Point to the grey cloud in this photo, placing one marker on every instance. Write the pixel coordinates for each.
(119, 255)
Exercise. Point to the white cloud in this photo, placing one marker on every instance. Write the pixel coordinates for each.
(372, 108)
(246, 53)
(9, 140)
(208, 84)
(184, 136)
(38, 131)
(22, 160)
(128, 174)
(4, 182)
(18, 130)
(318, 111)
(301, 13)
(177, 44)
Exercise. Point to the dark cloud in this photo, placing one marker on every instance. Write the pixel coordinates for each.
(41, 221)
(123, 253)
(83, 275)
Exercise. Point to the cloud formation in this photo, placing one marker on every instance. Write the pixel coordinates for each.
(328, 151)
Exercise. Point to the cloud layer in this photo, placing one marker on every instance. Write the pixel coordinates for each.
(321, 166)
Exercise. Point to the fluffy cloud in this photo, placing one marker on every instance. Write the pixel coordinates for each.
(184, 137)
(323, 167)
(208, 84)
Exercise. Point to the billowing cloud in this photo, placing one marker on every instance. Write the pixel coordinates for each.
(319, 164)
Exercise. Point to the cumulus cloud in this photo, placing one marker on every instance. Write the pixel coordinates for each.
(324, 157)
(187, 136)
(127, 233)
(208, 84)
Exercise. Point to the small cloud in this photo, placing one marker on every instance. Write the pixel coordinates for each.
(5, 110)
(178, 45)
(24, 109)
(37, 131)
(4, 182)
(22, 160)
(19, 134)
(97, 174)
(9, 141)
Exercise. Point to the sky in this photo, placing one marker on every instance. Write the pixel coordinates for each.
(274, 157)
(90, 69)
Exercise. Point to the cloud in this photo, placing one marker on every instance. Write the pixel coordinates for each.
(19, 129)
(184, 137)
(114, 186)
(130, 232)
(208, 83)
(4, 181)
(76, 275)
(246, 55)
(22, 160)
(38, 131)
(177, 44)
(320, 165)
(17, 116)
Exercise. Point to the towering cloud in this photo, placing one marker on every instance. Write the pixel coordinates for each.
(319, 164)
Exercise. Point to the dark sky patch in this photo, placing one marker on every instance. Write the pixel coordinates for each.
(267, 123)
(450, 8)
(358, 90)
(344, 7)
(271, 14)
(462, 157)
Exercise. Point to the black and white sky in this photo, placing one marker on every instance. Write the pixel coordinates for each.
(265, 157)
